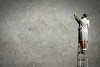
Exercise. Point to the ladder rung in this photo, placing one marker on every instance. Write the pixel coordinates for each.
(80, 66)
(81, 53)
(81, 59)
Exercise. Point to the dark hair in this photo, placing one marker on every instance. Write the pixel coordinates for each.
(85, 15)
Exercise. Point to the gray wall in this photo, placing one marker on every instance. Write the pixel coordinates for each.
(43, 33)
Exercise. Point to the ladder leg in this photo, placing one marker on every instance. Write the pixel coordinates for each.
(79, 59)
(87, 62)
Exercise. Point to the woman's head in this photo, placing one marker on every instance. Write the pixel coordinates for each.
(85, 15)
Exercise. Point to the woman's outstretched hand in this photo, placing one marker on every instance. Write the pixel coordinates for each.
(74, 14)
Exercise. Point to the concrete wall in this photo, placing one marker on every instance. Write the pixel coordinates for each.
(43, 33)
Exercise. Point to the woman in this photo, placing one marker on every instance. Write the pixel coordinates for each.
(84, 24)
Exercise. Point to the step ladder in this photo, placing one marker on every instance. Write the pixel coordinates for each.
(82, 58)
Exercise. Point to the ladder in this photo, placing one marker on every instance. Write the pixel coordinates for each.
(82, 58)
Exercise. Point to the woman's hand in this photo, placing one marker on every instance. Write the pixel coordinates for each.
(74, 14)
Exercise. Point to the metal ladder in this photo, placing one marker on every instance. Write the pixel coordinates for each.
(82, 58)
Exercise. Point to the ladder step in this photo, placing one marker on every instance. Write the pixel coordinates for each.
(81, 59)
(81, 52)
(80, 66)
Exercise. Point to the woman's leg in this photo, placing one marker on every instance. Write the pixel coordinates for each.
(85, 44)
(82, 44)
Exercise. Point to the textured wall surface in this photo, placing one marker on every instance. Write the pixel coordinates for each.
(43, 33)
